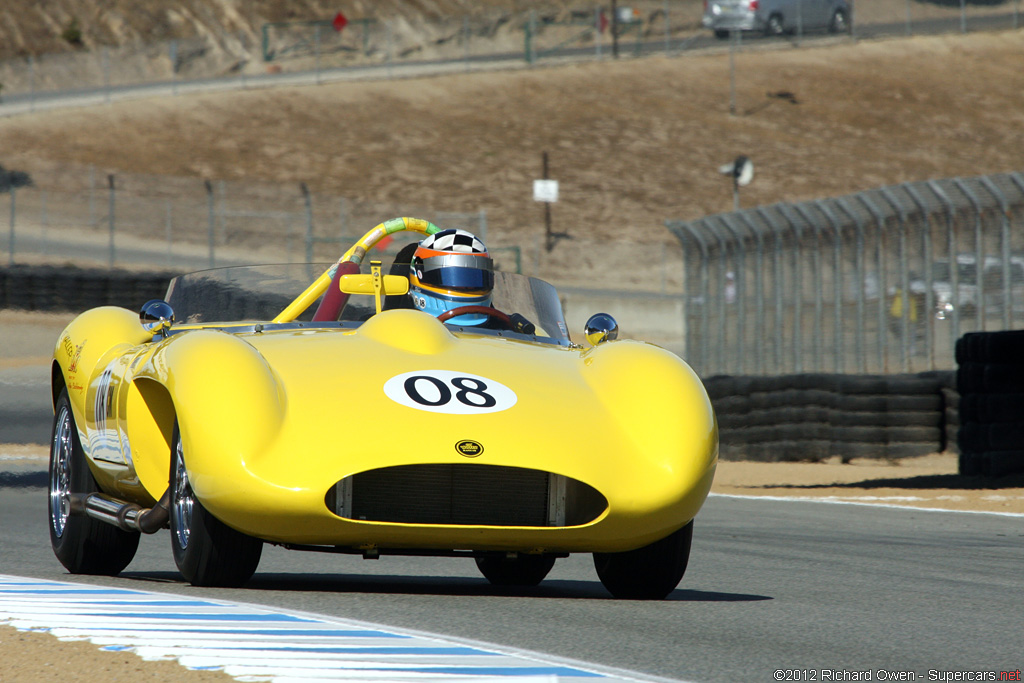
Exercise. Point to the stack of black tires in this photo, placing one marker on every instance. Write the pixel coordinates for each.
(990, 379)
(812, 416)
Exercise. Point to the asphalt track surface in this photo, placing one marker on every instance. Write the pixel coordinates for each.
(806, 587)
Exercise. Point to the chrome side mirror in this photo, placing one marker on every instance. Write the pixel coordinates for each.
(601, 328)
(156, 316)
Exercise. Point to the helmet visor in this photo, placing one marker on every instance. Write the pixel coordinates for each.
(457, 272)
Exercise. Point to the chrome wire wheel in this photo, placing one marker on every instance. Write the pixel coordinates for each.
(183, 499)
(60, 472)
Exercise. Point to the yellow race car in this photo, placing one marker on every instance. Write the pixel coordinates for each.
(249, 408)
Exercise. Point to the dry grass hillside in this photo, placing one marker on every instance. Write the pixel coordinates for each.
(632, 142)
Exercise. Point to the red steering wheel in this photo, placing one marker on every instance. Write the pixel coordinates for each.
(491, 313)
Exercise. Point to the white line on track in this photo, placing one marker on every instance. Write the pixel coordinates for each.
(833, 501)
(256, 643)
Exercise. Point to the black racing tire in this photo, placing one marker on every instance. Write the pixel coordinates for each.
(206, 551)
(721, 33)
(774, 26)
(647, 573)
(82, 544)
(522, 570)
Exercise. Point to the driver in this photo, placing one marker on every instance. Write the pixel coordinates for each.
(450, 269)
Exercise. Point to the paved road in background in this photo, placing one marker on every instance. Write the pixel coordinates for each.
(771, 585)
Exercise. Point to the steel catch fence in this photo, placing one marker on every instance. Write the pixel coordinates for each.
(881, 281)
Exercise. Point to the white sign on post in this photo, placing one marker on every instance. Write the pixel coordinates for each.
(545, 191)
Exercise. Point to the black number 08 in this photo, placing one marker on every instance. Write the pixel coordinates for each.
(471, 392)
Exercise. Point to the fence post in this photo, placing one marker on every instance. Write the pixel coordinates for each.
(904, 279)
(309, 221)
(979, 250)
(482, 225)
(211, 219)
(110, 181)
(10, 241)
(837, 282)
(818, 284)
(740, 299)
(759, 284)
(798, 294)
(1004, 240)
(777, 277)
(929, 275)
(858, 276)
(705, 283)
(954, 261)
(880, 266)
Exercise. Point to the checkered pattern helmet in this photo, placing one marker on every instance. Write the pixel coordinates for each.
(449, 269)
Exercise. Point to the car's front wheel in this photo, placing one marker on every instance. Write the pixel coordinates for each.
(82, 544)
(647, 573)
(521, 570)
(207, 551)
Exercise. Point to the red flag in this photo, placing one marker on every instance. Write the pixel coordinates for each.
(603, 22)
(339, 22)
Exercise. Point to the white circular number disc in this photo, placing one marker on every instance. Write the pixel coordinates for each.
(446, 391)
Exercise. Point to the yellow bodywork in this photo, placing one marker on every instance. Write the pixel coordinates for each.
(271, 420)
(273, 416)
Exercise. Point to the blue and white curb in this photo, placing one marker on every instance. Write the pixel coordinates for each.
(254, 643)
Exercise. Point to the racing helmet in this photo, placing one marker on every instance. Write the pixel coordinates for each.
(449, 269)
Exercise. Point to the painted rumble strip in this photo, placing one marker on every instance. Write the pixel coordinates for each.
(251, 643)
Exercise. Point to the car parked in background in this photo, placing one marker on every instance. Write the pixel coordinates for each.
(776, 17)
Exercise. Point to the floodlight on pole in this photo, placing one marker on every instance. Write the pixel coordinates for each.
(741, 170)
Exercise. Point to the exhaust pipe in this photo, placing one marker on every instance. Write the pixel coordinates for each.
(126, 516)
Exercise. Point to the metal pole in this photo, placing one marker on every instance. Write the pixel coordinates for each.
(963, 16)
(837, 283)
(979, 250)
(777, 283)
(668, 31)
(759, 297)
(1004, 239)
(954, 259)
(10, 240)
(740, 301)
(110, 181)
(106, 73)
(597, 32)
(817, 284)
(549, 241)
(880, 266)
(309, 221)
(904, 274)
(798, 294)
(615, 29)
(32, 83)
(734, 40)
(929, 275)
(316, 43)
(858, 277)
(211, 219)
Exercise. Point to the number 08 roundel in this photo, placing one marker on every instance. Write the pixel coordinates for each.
(447, 391)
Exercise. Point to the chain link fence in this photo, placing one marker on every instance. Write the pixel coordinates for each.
(882, 281)
(261, 53)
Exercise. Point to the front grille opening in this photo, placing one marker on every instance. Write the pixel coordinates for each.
(465, 494)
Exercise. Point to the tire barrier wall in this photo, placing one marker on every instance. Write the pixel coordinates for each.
(814, 416)
(990, 379)
(68, 288)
